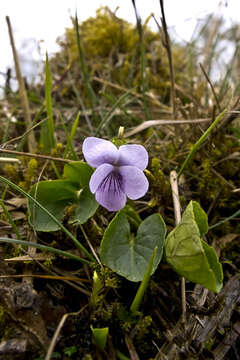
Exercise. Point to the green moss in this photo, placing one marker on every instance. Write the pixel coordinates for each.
(159, 184)
(31, 171)
(142, 327)
(4, 323)
(12, 172)
(112, 51)
(2, 315)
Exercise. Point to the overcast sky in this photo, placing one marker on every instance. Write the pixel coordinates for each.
(39, 23)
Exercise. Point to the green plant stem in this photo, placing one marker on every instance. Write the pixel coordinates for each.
(55, 170)
(121, 356)
(10, 219)
(200, 141)
(225, 220)
(44, 248)
(4, 193)
(143, 286)
(76, 242)
(69, 145)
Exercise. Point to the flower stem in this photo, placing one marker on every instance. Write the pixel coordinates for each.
(143, 286)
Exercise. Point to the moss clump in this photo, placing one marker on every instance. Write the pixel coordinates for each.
(12, 172)
(142, 327)
(30, 175)
(112, 51)
(159, 185)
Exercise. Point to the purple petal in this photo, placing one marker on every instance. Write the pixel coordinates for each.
(99, 175)
(99, 151)
(135, 155)
(106, 183)
(111, 200)
(134, 182)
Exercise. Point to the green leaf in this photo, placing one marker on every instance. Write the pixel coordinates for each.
(34, 201)
(100, 336)
(86, 207)
(189, 255)
(214, 263)
(195, 211)
(127, 255)
(79, 173)
(54, 195)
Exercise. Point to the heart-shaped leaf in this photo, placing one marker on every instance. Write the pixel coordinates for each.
(189, 255)
(78, 172)
(86, 206)
(128, 255)
(56, 195)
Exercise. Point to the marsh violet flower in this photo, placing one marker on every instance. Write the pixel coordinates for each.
(119, 172)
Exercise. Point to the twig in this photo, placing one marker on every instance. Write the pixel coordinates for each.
(211, 86)
(177, 213)
(38, 156)
(167, 45)
(22, 90)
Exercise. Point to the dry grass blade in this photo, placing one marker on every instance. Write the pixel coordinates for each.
(38, 257)
(212, 87)
(177, 214)
(49, 277)
(150, 123)
(131, 348)
(58, 330)
(9, 160)
(167, 45)
(151, 96)
(22, 90)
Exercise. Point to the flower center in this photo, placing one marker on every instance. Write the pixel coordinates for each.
(112, 183)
